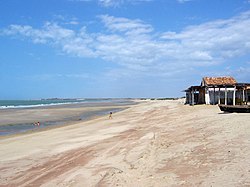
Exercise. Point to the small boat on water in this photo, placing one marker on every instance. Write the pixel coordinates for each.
(235, 108)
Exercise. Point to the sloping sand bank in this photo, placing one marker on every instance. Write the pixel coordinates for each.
(155, 143)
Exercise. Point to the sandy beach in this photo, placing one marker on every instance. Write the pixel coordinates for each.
(153, 143)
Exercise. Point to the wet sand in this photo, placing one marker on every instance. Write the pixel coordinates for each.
(21, 120)
(154, 143)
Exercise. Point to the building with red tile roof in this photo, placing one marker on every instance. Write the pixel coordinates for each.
(218, 90)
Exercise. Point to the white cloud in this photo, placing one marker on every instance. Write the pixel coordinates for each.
(126, 25)
(240, 73)
(118, 3)
(113, 3)
(73, 23)
(219, 39)
(110, 3)
(53, 34)
(136, 46)
(183, 1)
(67, 20)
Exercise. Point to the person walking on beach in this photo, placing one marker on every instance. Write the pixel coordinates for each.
(37, 123)
(110, 115)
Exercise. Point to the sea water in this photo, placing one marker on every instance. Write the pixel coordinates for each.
(4, 104)
(16, 128)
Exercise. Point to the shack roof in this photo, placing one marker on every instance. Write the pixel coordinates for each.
(194, 88)
(243, 85)
(218, 82)
(213, 81)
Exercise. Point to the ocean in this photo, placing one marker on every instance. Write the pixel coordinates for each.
(11, 122)
(5, 104)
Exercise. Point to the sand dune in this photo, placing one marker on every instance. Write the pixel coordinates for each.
(154, 143)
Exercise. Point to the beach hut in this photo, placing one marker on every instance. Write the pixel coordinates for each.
(218, 90)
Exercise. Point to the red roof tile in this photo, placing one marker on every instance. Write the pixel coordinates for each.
(219, 81)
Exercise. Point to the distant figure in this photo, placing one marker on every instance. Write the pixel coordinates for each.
(37, 124)
(110, 115)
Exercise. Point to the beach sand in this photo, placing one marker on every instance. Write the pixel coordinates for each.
(154, 143)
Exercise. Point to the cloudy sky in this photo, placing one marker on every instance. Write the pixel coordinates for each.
(120, 48)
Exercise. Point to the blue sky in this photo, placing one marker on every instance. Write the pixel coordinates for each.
(120, 48)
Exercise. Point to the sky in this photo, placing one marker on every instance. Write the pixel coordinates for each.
(120, 48)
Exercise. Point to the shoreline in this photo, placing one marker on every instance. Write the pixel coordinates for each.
(51, 127)
(20, 121)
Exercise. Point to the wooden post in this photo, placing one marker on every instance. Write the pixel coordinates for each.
(240, 95)
(214, 96)
(186, 98)
(192, 96)
(219, 97)
(189, 97)
(207, 100)
(225, 95)
(234, 95)
(243, 95)
(246, 96)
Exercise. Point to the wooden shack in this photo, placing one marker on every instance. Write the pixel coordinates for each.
(218, 90)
